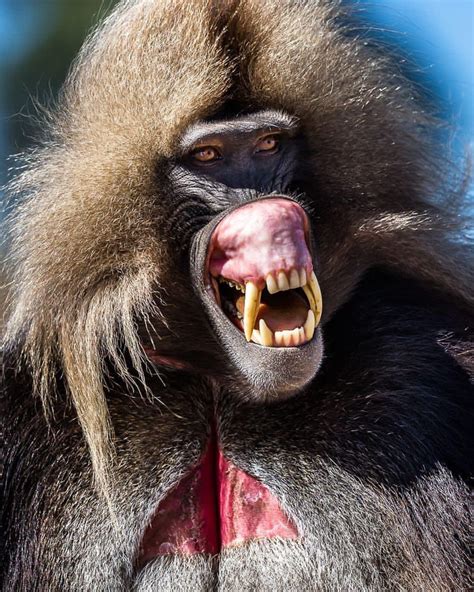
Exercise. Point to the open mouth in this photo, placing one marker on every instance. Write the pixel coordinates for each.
(261, 272)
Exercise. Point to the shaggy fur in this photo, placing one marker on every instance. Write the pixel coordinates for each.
(372, 459)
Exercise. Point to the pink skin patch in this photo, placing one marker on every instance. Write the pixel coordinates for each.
(215, 506)
(262, 237)
(167, 361)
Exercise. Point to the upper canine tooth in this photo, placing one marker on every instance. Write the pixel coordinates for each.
(252, 302)
(272, 286)
(283, 283)
(266, 334)
(294, 279)
(309, 295)
(316, 290)
(303, 279)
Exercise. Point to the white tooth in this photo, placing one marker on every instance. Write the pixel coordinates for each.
(294, 279)
(287, 335)
(278, 338)
(295, 336)
(266, 334)
(283, 281)
(302, 335)
(309, 325)
(252, 302)
(272, 286)
(303, 279)
(316, 290)
(256, 337)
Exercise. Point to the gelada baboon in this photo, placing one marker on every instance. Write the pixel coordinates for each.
(237, 356)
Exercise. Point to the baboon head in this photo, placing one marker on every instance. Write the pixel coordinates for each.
(249, 251)
(213, 174)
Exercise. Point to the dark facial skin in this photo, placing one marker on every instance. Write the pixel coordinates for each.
(255, 152)
(223, 165)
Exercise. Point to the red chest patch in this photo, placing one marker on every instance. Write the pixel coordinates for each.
(215, 506)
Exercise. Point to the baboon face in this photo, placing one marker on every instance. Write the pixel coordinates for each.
(251, 258)
(161, 197)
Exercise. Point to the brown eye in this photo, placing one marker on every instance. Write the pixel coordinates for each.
(206, 154)
(268, 144)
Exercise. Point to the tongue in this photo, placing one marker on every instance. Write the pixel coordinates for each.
(259, 238)
(283, 311)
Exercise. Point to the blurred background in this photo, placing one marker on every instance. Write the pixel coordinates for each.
(39, 38)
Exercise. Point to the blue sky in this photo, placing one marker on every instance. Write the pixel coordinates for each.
(439, 35)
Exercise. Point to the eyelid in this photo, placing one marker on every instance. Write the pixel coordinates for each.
(276, 134)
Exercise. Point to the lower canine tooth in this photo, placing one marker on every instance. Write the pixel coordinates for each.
(309, 325)
(266, 334)
(252, 302)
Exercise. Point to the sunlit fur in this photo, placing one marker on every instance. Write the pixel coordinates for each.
(86, 237)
